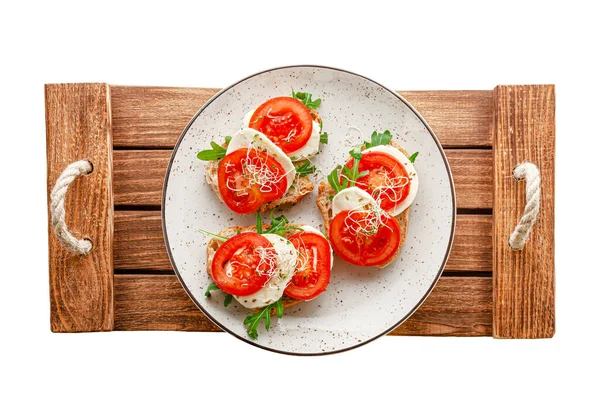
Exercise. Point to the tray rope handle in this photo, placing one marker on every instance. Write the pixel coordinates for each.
(531, 174)
(57, 207)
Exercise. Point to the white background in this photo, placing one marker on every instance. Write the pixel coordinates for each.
(425, 46)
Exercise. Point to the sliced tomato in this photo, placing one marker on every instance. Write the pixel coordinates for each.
(237, 264)
(285, 120)
(249, 178)
(387, 179)
(313, 268)
(354, 240)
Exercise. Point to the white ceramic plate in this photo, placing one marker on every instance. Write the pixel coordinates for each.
(360, 304)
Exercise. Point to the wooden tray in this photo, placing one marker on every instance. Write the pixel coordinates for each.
(127, 283)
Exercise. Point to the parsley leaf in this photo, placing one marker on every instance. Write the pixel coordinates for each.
(216, 153)
(324, 138)
(253, 321)
(378, 139)
(413, 157)
(306, 99)
(305, 169)
(215, 236)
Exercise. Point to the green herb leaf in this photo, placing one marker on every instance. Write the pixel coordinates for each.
(413, 157)
(253, 321)
(324, 138)
(228, 299)
(279, 308)
(279, 226)
(378, 139)
(211, 287)
(306, 99)
(334, 180)
(259, 228)
(227, 139)
(305, 169)
(216, 153)
(215, 236)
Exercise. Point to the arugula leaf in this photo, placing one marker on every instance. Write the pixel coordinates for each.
(279, 225)
(413, 157)
(334, 180)
(324, 138)
(228, 299)
(215, 236)
(349, 175)
(216, 153)
(211, 287)
(305, 169)
(378, 139)
(259, 228)
(253, 321)
(306, 99)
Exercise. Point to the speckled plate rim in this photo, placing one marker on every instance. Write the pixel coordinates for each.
(214, 320)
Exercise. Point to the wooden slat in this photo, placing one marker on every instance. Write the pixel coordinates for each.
(78, 127)
(523, 280)
(458, 118)
(458, 306)
(156, 116)
(139, 175)
(139, 243)
(472, 173)
(472, 247)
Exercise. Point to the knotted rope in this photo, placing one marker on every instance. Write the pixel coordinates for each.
(531, 174)
(57, 207)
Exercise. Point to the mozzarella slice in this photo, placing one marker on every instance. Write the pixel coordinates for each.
(251, 138)
(352, 198)
(286, 256)
(410, 169)
(311, 147)
(311, 229)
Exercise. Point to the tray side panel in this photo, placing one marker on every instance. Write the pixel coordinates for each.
(78, 127)
(524, 130)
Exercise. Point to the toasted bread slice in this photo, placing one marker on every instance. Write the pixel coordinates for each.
(325, 206)
(214, 244)
(300, 188)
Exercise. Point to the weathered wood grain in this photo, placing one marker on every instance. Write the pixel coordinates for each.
(524, 130)
(139, 243)
(156, 116)
(472, 247)
(458, 118)
(458, 306)
(139, 175)
(472, 173)
(78, 127)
